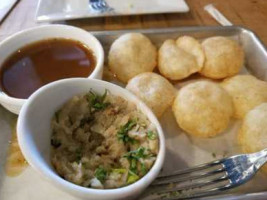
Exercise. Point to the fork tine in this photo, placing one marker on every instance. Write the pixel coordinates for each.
(94, 6)
(107, 7)
(210, 192)
(199, 182)
(103, 3)
(101, 6)
(194, 185)
(199, 167)
(174, 179)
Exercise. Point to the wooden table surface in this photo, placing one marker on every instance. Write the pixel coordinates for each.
(248, 13)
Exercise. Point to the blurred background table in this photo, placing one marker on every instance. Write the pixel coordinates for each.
(248, 13)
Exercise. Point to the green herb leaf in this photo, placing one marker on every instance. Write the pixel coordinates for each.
(100, 106)
(101, 174)
(122, 134)
(143, 169)
(97, 102)
(133, 165)
(151, 135)
(134, 156)
(132, 177)
(119, 171)
(103, 97)
(91, 97)
(137, 154)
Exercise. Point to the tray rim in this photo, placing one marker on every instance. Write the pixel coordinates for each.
(180, 28)
(187, 29)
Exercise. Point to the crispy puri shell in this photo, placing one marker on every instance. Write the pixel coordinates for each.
(224, 57)
(203, 109)
(175, 63)
(192, 46)
(252, 135)
(131, 54)
(156, 91)
(247, 92)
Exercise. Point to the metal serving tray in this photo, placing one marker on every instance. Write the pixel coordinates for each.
(182, 151)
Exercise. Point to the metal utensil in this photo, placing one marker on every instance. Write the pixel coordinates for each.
(209, 179)
(217, 15)
(100, 6)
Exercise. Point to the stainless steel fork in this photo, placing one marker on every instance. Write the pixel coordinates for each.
(100, 6)
(207, 179)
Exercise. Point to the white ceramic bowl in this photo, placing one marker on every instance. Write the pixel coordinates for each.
(34, 134)
(20, 39)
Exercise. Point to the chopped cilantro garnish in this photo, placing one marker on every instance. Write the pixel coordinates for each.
(96, 101)
(119, 171)
(133, 165)
(143, 169)
(132, 177)
(103, 97)
(134, 156)
(123, 131)
(101, 174)
(137, 154)
(100, 106)
(151, 135)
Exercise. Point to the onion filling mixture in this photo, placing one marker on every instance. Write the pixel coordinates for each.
(102, 141)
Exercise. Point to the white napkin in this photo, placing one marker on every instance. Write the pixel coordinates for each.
(5, 6)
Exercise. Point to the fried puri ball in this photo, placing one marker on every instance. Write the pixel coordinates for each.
(224, 57)
(192, 46)
(154, 90)
(252, 135)
(175, 63)
(203, 109)
(247, 92)
(131, 54)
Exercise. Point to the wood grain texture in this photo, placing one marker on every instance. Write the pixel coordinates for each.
(248, 13)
